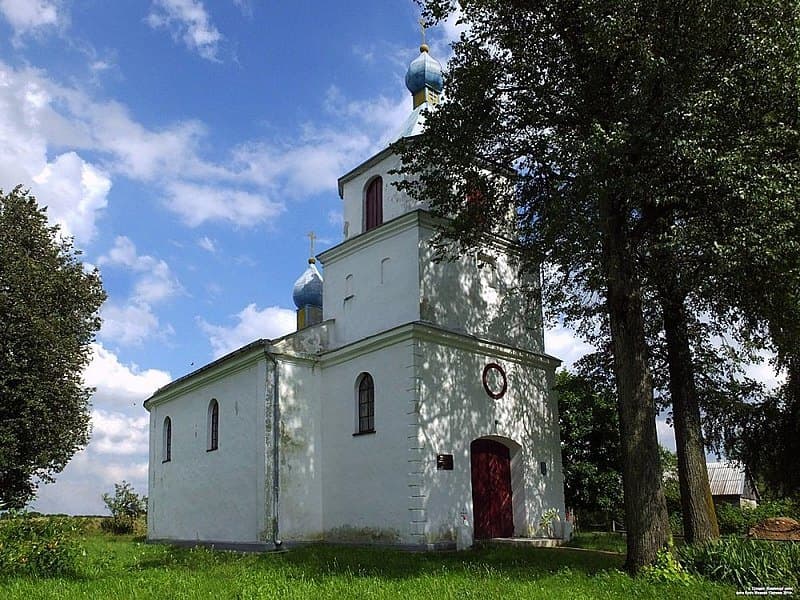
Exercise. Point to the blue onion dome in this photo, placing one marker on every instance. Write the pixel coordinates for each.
(424, 72)
(307, 289)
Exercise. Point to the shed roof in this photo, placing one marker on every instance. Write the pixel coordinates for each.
(726, 478)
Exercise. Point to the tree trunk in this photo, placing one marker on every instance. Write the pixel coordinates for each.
(699, 516)
(645, 507)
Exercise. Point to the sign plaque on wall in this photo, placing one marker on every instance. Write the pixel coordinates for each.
(444, 462)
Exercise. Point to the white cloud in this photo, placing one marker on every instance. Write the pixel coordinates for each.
(74, 192)
(562, 343)
(132, 322)
(666, 435)
(119, 443)
(118, 433)
(28, 16)
(188, 21)
(252, 324)
(196, 204)
(207, 244)
(128, 324)
(155, 282)
(118, 385)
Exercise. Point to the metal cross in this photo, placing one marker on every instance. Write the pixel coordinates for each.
(422, 29)
(311, 237)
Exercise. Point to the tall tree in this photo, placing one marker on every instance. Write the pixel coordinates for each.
(622, 120)
(590, 446)
(48, 316)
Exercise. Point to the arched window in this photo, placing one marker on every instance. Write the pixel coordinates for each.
(373, 204)
(166, 446)
(366, 404)
(213, 425)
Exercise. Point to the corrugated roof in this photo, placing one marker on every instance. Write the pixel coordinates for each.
(726, 479)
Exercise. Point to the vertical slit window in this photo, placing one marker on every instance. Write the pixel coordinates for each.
(166, 449)
(213, 425)
(366, 404)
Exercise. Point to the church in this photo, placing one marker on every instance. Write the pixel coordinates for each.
(412, 406)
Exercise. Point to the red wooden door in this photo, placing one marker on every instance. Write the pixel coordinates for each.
(491, 489)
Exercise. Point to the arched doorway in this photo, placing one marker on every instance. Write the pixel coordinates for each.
(491, 489)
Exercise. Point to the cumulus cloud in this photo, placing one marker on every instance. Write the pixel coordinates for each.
(119, 442)
(563, 344)
(29, 16)
(188, 21)
(51, 129)
(197, 203)
(251, 324)
(133, 321)
(118, 385)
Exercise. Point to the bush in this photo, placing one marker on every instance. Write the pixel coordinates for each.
(745, 563)
(126, 507)
(40, 546)
(735, 520)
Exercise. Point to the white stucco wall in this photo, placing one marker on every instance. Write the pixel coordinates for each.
(454, 410)
(365, 477)
(217, 495)
(481, 293)
(372, 283)
(300, 450)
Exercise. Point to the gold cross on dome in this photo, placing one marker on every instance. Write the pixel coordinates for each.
(311, 237)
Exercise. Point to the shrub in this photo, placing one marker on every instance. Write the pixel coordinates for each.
(745, 563)
(40, 546)
(735, 520)
(126, 508)
(667, 569)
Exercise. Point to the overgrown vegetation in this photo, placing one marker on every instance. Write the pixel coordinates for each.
(127, 509)
(738, 520)
(745, 563)
(39, 546)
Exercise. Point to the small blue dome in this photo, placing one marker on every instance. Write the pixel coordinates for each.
(307, 289)
(424, 71)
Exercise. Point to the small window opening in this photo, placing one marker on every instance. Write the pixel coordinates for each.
(366, 404)
(213, 425)
(166, 447)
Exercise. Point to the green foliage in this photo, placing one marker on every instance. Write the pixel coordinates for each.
(48, 315)
(590, 447)
(39, 546)
(738, 520)
(745, 563)
(667, 569)
(126, 507)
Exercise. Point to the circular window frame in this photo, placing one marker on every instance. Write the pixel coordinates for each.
(494, 395)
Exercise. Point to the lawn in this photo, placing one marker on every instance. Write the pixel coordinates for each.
(123, 567)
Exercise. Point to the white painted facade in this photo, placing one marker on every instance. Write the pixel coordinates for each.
(424, 331)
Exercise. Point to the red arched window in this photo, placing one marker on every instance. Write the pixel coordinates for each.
(373, 204)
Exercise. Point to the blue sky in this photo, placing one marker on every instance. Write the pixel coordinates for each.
(189, 146)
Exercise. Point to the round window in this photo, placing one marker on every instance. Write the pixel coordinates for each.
(494, 381)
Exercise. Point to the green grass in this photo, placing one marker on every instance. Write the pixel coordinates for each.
(121, 567)
(606, 542)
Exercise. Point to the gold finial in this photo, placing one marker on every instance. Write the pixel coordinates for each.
(423, 46)
(311, 237)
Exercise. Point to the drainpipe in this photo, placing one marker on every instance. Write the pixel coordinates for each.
(276, 542)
